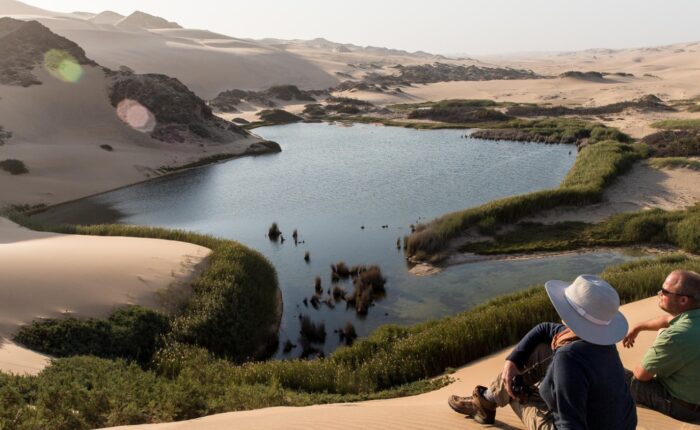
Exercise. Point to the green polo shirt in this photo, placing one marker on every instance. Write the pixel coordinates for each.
(675, 357)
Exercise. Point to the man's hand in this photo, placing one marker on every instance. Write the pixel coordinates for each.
(509, 371)
(628, 341)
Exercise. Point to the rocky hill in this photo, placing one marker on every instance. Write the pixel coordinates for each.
(27, 44)
(180, 116)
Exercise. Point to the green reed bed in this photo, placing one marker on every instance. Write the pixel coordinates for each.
(186, 381)
(655, 227)
(231, 310)
(677, 124)
(675, 163)
(596, 167)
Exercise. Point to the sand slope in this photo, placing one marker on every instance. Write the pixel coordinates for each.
(642, 188)
(48, 275)
(425, 411)
(58, 129)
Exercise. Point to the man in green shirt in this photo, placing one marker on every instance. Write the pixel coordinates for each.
(668, 378)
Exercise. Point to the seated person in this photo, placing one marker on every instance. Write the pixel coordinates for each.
(668, 378)
(581, 381)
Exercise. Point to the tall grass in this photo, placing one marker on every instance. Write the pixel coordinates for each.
(678, 124)
(187, 381)
(654, 227)
(596, 167)
(233, 309)
(674, 163)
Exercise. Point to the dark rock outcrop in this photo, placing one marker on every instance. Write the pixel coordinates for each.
(25, 44)
(180, 115)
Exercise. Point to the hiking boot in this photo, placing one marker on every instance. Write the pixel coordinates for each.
(462, 405)
(485, 409)
(475, 406)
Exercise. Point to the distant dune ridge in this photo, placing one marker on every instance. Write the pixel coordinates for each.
(80, 128)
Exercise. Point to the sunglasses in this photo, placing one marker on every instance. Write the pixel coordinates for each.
(665, 292)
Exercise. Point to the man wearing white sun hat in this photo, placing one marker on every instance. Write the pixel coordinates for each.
(564, 376)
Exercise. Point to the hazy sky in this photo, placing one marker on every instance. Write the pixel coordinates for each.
(437, 26)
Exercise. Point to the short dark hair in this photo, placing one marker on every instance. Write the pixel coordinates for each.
(689, 284)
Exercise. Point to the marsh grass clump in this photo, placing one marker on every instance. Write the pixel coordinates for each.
(341, 270)
(307, 257)
(317, 285)
(274, 232)
(368, 287)
(315, 333)
(338, 293)
(13, 166)
(347, 333)
(107, 148)
(677, 124)
(674, 163)
(653, 227)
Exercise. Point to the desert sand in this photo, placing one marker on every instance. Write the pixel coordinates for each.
(49, 275)
(58, 128)
(642, 188)
(425, 411)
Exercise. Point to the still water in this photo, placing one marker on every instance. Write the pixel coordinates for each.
(329, 182)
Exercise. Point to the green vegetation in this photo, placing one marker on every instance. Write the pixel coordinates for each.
(678, 124)
(675, 162)
(655, 227)
(552, 130)
(233, 309)
(132, 333)
(673, 143)
(13, 167)
(596, 167)
(186, 382)
(474, 103)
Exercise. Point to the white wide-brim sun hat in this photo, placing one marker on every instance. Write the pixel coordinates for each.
(590, 307)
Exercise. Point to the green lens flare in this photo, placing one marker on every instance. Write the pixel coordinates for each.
(62, 66)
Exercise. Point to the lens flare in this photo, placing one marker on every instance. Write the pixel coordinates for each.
(62, 66)
(136, 115)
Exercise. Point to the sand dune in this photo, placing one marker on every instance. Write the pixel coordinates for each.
(58, 129)
(48, 275)
(425, 411)
(642, 188)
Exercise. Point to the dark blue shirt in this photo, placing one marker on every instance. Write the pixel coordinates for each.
(584, 386)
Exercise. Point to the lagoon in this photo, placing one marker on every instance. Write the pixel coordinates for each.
(351, 192)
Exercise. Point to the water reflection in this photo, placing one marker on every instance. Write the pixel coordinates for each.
(329, 182)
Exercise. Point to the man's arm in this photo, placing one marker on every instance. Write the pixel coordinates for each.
(641, 374)
(653, 324)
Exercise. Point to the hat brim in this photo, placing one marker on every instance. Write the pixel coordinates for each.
(594, 333)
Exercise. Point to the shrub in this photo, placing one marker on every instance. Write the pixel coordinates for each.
(199, 129)
(13, 167)
(678, 124)
(130, 333)
(274, 232)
